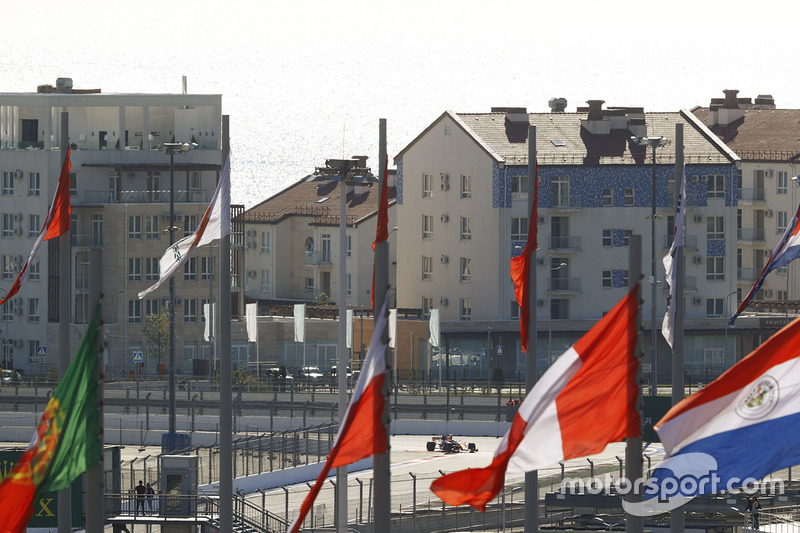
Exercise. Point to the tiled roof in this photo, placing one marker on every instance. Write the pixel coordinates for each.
(761, 135)
(560, 139)
(319, 200)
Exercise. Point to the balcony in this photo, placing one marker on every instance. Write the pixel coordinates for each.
(747, 274)
(318, 258)
(564, 243)
(751, 235)
(751, 196)
(566, 202)
(565, 285)
(140, 197)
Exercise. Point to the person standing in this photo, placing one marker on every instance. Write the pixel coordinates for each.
(151, 498)
(141, 493)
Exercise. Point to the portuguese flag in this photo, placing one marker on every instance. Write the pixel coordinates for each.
(66, 443)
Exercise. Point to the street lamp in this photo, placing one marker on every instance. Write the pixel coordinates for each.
(653, 142)
(172, 148)
(346, 172)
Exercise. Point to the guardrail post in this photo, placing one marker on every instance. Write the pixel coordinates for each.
(413, 501)
(360, 499)
(286, 490)
(621, 467)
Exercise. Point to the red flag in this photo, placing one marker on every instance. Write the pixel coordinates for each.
(585, 400)
(361, 432)
(382, 229)
(56, 224)
(521, 266)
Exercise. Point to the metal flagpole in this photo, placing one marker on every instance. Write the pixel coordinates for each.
(225, 387)
(341, 367)
(95, 517)
(633, 445)
(380, 462)
(531, 478)
(64, 496)
(677, 516)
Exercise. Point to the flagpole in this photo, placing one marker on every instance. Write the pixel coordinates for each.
(380, 462)
(94, 476)
(633, 445)
(677, 516)
(64, 252)
(225, 388)
(531, 478)
(340, 506)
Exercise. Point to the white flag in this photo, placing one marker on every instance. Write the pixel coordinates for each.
(299, 322)
(251, 318)
(392, 328)
(670, 265)
(208, 313)
(215, 224)
(433, 328)
(349, 327)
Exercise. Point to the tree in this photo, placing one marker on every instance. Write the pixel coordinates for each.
(156, 332)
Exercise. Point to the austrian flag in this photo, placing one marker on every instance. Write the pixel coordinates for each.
(584, 401)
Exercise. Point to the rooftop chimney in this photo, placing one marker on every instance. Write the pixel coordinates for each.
(596, 123)
(730, 110)
(595, 109)
(557, 105)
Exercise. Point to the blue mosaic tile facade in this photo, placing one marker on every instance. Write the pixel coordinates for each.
(619, 278)
(517, 247)
(618, 237)
(715, 248)
(501, 183)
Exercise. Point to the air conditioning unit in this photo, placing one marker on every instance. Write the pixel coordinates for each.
(768, 252)
(695, 178)
(769, 173)
(445, 217)
(19, 342)
(18, 259)
(445, 177)
(18, 217)
(540, 261)
(178, 301)
(698, 217)
(20, 174)
(444, 259)
(251, 273)
(18, 310)
(444, 302)
(540, 303)
(178, 218)
(17, 231)
(251, 233)
(17, 301)
(768, 212)
(698, 260)
(542, 220)
(445, 186)
(768, 293)
(697, 300)
(251, 244)
(165, 216)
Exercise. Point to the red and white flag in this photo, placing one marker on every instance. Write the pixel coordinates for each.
(56, 224)
(521, 266)
(361, 432)
(585, 400)
(382, 227)
(215, 224)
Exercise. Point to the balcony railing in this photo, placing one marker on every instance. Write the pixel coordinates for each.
(751, 195)
(565, 285)
(140, 197)
(566, 202)
(564, 242)
(689, 242)
(318, 258)
(751, 234)
(747, 274)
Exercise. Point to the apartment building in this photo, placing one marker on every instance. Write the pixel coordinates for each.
(120, 194)
(462, 187)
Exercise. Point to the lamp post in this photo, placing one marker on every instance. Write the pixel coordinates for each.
(346, 172)
(172, 148)
(653, 142)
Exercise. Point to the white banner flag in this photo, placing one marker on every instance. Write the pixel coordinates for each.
(299, 322)
(215, 224)
(209, 310)
(251, 317)
(392, 328)
(349, 328)
(433, 328)
(670, 265)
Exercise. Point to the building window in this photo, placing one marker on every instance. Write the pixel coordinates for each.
(783, 182)
(714, 307)
(715, 227)
(326, 248)
(559, 309)
(466, 309)
(34, 184)
(33, 310)
(190, 269)
(427, 305)
(265, 242)
(310, 285)
(8, 225)
(8, 267)
(153, 227)
(559, 189)
(348, 249)
(135, 227)
(34, 270)
(783, 222)
(73, 184)
(8, 182)
(190, 310)
(34, 226)
(206, 268)
(782, 295)
(189, 224)
(466, 186)
(629, 196)
(466, 229)
(519, 228)
(514, 310)
(134, 269)
(8, 312)
(265, 280)
(466, 269)
(97, 230)
(151, 307)
(715, 268)
(608, 240)
(519, 187)
(607, 279)
(349, 284)
(427, 267)
(716, 185)
(134, 311)
(607, 197)
(427, 185)
(152, 269)
(427, 226)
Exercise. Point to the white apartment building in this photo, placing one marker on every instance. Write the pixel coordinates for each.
(120, 185)
(462, 189)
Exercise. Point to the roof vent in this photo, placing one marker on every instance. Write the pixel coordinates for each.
(517, 122)
(64, 85)
(557, 105)
(765, 101)
(595, 122)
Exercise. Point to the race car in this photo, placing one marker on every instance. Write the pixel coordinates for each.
(447, 444)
